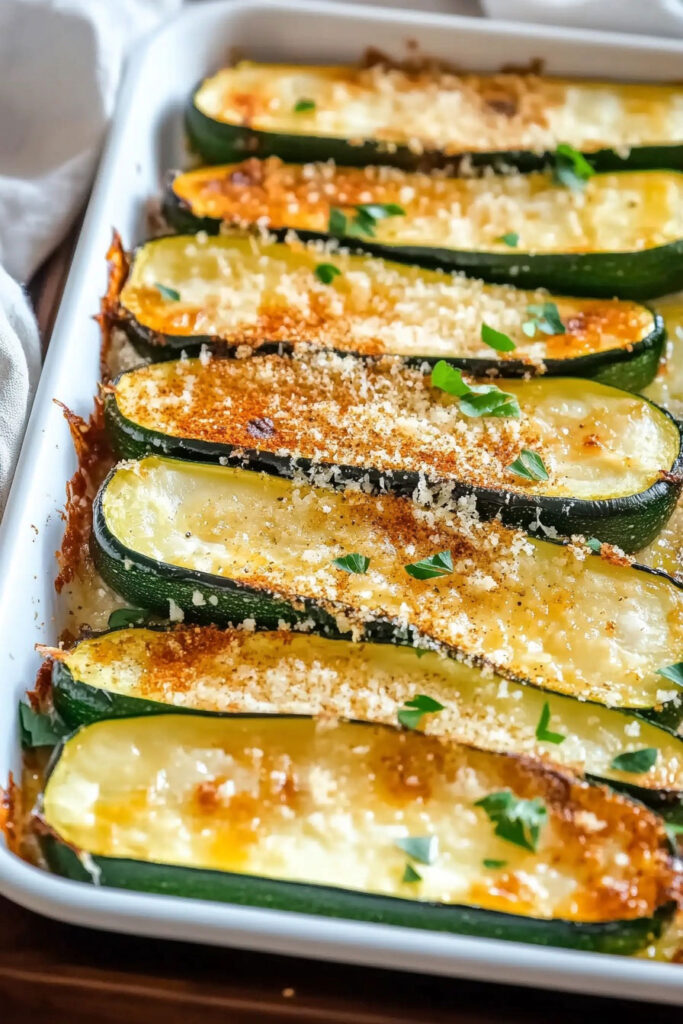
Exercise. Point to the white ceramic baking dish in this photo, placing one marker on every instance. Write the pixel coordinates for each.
(146, 138)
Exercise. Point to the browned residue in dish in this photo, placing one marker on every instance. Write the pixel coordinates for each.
(95, 458)
(118, 262)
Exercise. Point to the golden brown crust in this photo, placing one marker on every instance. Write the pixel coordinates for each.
(118, 264)
(11, 814)
(40, 697)
(95, 458)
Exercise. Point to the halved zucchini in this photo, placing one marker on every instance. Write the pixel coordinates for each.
(147, 671)
(282, 812)
(605, 451)
(621, 235)
(667, 387)
(223, 545)
(386, 115)
(183, 292)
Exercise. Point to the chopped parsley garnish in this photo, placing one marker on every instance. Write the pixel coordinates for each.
(571, 167)
(414, 710)
(39, 730)
(511, 238)
(635, 761)
(529, 465)
(673, 672)
(449, 379)
(170, 294)
(673, 831)
(488, 400)
(302, 105)
(354, 563)
(411, 875)
(428, 568)
(543, 317)
(594, 544)
(518, 821)
(326, 272)
(477, 399)
(493, 864)
(496, 339)
(364, 220)
(543, 733)
(122, 618)
(421, 848)
(337, 222)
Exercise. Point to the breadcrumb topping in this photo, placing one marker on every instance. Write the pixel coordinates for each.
(595, 442)
(242, 291)
(431, 109)
(612, 213)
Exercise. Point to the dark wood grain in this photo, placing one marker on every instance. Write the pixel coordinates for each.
(62, 974)
(74, 975)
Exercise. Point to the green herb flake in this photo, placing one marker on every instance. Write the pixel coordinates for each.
(380, 211)
(449, 379)
(475, 399)
(529, 465)
(38, 730)
(635, 761)
(410, 875)
(511, 238)
(496, 339)
(170, 294)
(518, 821)
(364, 220)
(421, 848)
(543, 317)
(494, 864)
(414, 710)
(429, 568)
(673, 672)
(571, 167)
(594, 544)
(353, 563)
(543, 734)
(488, 400)
(326, 272)
(336, 224)
(123, 618)
(302, 105)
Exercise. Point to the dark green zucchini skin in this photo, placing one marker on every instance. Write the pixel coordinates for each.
(631, 369)
(630, 275)
(221, 143)
(148, 583)
(622, 937)
(79, 703)
(630, 523)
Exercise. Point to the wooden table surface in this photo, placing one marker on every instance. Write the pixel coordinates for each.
(62, 974)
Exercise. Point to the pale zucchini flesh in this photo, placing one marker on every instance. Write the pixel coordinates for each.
(289, 799)
(224, 544)
(201, 668)
(629, 211)
(667, 387)
(235, 291)
(448, 113)
(596, 442)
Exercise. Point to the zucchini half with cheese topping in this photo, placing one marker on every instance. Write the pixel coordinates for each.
(622, 234)
(129, 672)
(386, 115)
(356, 820)
(609, 458)
(224, 545)
(183, 292)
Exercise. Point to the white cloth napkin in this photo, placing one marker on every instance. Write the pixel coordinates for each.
(60, 64)
(651, 17)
